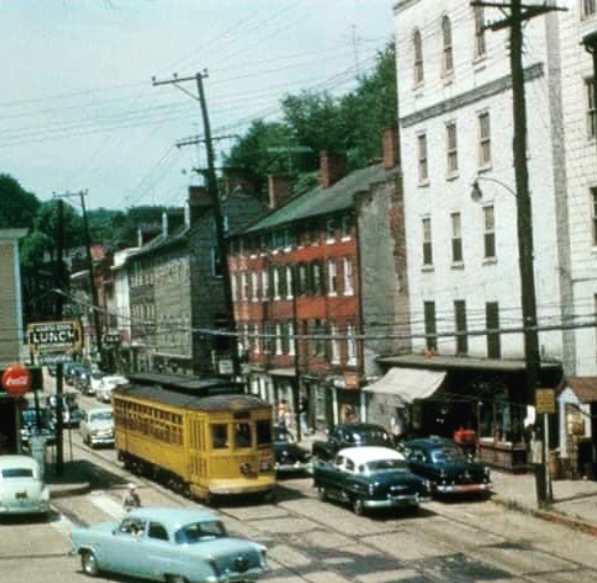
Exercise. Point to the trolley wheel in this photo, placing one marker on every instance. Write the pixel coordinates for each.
(89, 563)
(357, 506)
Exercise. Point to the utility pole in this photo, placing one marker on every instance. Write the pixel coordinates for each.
(97, 323)
(212, 188)
(59, 366)
(520, 13)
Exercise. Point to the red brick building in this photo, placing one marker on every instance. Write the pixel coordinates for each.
(318, 284)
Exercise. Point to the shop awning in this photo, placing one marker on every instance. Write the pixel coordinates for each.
(408, 384)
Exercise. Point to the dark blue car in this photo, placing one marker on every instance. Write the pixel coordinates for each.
(447, 467)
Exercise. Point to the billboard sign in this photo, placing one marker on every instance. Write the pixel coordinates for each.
(55, 336)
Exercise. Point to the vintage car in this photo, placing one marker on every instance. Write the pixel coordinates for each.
(447, 467)
(168, 544)
(346, 435)
(97, 426)
(289, 456)
(369, 477)
(32, 425)
(71, 414)
(106, 385)
(22, 489)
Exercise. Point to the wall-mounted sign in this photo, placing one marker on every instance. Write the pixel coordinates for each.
(545, 401)
(17, 380)
(55, 336)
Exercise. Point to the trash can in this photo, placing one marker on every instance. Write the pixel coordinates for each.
(540, 483)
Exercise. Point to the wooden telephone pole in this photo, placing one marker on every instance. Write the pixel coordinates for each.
(518, 14)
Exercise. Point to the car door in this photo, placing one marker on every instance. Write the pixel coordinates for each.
(417, 460)
(162, 555)
(125, 551)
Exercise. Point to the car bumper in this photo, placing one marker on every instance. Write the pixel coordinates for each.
(101, 440)
(295, 467)
(250, 575)
(263, 483)
(395, 501)
(42, 507)
(463, 488)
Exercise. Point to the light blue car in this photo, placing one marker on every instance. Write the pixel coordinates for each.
(173, 545)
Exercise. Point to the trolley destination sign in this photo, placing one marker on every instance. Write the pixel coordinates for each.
(55, 336)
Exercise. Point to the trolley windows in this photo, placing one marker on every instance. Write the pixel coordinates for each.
(219, 436)
(242, 435)
(264, 432)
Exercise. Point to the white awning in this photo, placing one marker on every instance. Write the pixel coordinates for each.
(408, 384)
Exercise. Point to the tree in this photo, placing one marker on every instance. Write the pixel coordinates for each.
(17, 206)
(46, 223)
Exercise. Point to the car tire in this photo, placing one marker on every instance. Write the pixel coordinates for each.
(322, 494)
(175, 579)
(89, 563)
(358, 507)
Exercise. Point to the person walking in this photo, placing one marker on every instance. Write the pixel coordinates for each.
(132, 499)
(304, 415)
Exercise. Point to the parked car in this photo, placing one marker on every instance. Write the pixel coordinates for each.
(168, 544)
(30, 426)
(104, 391)
(71, 414)
(346, 435)
(447, 467)
(289, 456)
(72, 370)
(22, 490)
(91, 383)
(97, 426)
(369, 477)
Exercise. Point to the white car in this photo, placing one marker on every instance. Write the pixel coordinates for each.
(97, 426)
(22, 489)
(105, 387)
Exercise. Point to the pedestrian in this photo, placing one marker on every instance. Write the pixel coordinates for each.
(304, 415)
(132, 499)
(283, 414)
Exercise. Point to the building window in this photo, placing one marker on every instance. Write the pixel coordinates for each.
(256, 339)
(418, 55)
(346, 227)
(351, 345)
(484, 140)
(594, 213)
(331, 225)
(430, 326)
(588, 8)
(480, 46)
(276, 276)
(317, 278)
(285, 338)
(318, 342)
(348, 277)
(460, 317)
(489, 232)
(427, 243)
(492, 323)
(332, 277)
(289, 282)
(335, 344)
(291, 339)
(452, 148)
(255, 286)
(456, 238)
(282, 281)
(301, 284)
(591, 109)
(448, 55)
(243, 287)
(234, 288)
(422, 157)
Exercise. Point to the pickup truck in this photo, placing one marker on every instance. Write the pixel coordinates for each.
(369, 478)
(346, 435)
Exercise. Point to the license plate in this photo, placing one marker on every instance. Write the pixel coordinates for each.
(21, 495)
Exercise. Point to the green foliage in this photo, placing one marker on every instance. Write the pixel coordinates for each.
(104, 223)
(313, 121)
(17, 206)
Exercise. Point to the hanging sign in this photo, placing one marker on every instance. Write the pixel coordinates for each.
(545, 401)
(17, 380)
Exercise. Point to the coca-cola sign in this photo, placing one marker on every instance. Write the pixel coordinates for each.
(17, 380)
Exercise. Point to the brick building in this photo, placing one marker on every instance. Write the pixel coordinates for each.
(310, 280)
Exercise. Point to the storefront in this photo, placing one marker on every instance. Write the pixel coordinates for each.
(486, 396)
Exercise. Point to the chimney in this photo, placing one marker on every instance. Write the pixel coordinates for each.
(390, 148)
(279, 189)
(165, 224)
(199, 200)
(332, 167)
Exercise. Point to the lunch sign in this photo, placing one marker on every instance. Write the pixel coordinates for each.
(55, 337)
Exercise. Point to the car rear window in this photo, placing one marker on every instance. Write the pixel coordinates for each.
(199, 532)
(103, 416)
(385, 466)
(17, 473)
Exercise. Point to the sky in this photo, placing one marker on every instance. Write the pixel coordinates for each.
(78, 110)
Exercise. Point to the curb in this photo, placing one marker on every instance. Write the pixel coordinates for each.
(59, 491)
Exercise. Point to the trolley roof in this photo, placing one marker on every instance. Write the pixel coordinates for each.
(158, 394)
(186, 384)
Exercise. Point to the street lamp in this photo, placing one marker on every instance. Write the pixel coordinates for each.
(528, 303)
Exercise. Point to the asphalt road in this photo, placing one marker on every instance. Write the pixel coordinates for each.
(311, 541)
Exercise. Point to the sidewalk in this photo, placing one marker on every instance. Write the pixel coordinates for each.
(574, 501)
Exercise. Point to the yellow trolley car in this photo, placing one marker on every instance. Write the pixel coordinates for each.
(201, 437)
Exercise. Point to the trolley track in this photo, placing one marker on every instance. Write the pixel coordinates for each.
(471, 559)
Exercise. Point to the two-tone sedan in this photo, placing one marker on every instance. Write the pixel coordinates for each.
(447, 467)
(174, 545)
(369, 477)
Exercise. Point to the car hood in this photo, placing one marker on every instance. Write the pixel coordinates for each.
(101, 425)
(232, 555)
(83, 532)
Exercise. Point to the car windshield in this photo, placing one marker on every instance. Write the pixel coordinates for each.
(448, 454)
(385, 466)
(199, 532)
(17, 473)
(369, 436)
(101, 416)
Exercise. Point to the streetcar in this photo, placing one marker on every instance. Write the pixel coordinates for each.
(202, 437)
